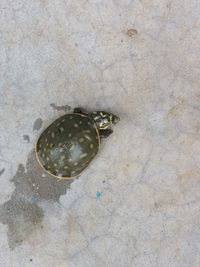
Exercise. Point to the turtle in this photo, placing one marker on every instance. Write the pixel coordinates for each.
(68, 145)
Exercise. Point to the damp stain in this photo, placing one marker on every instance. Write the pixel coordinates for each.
(37, 124)
(64, 108)
(22, 213)
(26, 138)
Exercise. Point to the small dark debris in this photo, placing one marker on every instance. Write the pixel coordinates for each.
(131, 32)
(65, 108)
(26, 138)
(31, 260)
(104, 181)
(2, 171)
(156, 205)
(37, 124)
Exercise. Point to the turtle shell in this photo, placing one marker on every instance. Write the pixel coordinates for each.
(68, 145)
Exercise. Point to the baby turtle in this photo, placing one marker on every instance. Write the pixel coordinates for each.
(69, 144)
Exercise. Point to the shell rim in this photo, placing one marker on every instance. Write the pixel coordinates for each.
(66, 177)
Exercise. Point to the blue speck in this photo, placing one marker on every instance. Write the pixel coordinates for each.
(98, 195)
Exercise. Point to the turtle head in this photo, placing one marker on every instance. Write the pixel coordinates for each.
(104, 120)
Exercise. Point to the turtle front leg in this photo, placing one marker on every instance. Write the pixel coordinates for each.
(80, 111)
(104, 133)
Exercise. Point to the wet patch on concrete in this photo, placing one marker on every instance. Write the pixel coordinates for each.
(21, 217)
(2, 171)
(26, 138)
(64, 108)
(22, 213)
(37, 124)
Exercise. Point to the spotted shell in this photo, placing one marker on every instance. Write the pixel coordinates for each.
(68, 145)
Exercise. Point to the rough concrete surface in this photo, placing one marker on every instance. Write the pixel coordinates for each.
(138, 204)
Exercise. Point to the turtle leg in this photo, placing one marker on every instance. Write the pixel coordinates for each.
(105, 133)
(80, 111)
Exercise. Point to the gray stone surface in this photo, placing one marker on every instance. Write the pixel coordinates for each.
(138, 204)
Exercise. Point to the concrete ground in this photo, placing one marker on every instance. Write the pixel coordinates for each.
(138, 204)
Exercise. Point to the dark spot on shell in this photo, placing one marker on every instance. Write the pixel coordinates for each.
(60, 129)
(37, 124)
